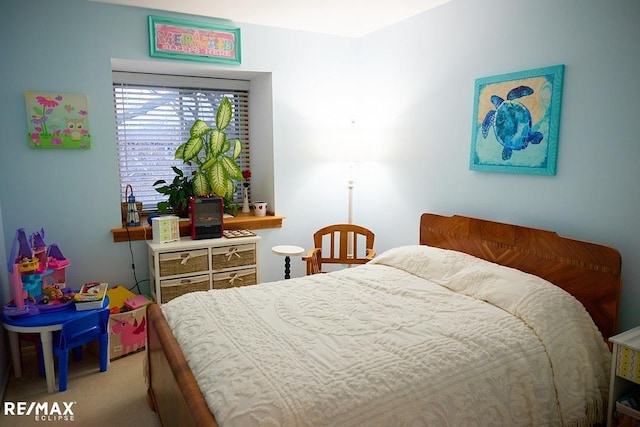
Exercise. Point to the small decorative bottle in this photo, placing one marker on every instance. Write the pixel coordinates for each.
(245, 202)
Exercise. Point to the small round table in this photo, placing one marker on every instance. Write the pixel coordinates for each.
(44, 324)
(287, 251)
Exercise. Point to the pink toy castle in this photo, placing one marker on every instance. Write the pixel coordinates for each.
(33, 266)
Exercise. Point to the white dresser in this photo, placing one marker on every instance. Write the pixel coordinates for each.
(187, 265)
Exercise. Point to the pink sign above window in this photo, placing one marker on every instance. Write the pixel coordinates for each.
(180, 39)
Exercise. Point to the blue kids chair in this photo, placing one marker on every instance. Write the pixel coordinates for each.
(77, 332)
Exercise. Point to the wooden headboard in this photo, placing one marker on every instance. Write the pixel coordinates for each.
(588, 271)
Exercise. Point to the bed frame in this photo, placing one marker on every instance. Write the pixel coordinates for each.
(588, 271)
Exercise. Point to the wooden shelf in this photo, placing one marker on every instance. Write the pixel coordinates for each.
(239, 222)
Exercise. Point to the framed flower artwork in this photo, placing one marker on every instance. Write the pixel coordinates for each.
(57, 120)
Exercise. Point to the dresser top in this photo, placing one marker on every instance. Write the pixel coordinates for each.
(630, 338)
(189, 243)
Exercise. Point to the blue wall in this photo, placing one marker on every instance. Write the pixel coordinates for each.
(409, 89)
(68, 46)
(426, 66)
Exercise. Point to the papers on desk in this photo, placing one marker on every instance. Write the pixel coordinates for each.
(90, 296)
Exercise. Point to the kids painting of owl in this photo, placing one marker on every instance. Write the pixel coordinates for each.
(75, 128)
(57, 120)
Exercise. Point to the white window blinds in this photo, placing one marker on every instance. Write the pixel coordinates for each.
(154, 114)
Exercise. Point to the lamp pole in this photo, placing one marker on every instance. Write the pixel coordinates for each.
(350, 186)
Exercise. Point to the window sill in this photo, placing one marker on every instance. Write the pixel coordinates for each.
(239, 222)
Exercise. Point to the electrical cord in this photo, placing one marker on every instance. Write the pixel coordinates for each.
(133, 264)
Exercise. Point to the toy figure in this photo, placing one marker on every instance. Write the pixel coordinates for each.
(54, 295)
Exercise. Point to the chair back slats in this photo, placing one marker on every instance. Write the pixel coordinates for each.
(77, 332)
(85, 328)
(339, 244)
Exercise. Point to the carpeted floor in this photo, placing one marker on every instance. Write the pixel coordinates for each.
(117, 397)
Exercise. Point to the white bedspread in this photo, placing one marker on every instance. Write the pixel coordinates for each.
(419, 336)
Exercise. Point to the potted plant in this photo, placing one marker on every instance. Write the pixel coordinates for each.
(209, 149)
(217, 170)
(179, 192)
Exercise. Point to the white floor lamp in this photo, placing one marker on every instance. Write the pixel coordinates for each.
(354, 151)
(350, 186)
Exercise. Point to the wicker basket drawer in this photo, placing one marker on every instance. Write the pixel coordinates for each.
(231, 279)
(173, 263)
(233, 256)
(171, 289)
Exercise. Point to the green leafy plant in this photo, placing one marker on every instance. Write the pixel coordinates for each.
(230, 205)
(179, 192)
(209, 149)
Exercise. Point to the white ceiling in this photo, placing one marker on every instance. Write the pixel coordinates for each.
(352, 18)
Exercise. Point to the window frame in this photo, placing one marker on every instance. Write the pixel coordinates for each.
(164, 81)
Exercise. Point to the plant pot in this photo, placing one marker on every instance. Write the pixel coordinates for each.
(181, 212)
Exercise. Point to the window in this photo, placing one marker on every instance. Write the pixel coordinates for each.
(154, 114)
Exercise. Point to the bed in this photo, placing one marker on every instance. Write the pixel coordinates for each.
(482, 323)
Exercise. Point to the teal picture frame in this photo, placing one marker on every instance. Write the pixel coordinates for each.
(194, 41)
(516, 122)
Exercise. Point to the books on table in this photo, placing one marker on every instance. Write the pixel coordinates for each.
(90, 296)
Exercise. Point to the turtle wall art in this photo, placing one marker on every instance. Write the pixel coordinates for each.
(516, 122)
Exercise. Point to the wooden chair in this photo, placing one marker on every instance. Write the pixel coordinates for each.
(342, 246)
